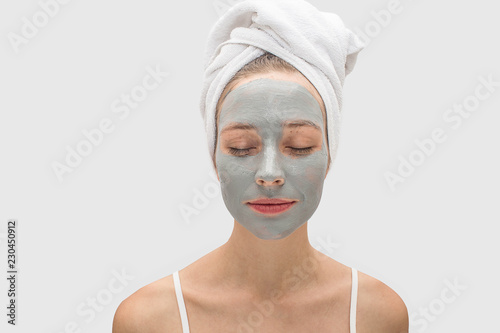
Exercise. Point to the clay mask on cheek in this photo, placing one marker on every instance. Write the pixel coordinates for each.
(267, 166)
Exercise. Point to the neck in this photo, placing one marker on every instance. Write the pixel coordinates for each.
(262, 267)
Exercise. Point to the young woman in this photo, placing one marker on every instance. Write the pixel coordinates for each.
(272, 152)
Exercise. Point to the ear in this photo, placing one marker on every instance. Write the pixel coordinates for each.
(328, 165)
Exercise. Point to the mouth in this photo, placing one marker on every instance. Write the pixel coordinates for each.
(271, 206)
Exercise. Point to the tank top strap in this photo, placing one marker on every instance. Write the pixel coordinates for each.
(180, 302)
(354, 300)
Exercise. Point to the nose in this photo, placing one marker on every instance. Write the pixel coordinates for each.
(270, 172)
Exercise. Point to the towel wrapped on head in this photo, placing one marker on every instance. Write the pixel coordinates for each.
(316, 43)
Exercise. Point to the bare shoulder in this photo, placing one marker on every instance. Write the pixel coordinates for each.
(379, 308)
(151, 309)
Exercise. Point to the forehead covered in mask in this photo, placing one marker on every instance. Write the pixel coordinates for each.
(289, 98)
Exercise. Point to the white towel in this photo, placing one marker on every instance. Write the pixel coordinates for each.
(316, 43)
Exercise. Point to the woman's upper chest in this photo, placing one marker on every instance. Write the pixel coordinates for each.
(315, 311)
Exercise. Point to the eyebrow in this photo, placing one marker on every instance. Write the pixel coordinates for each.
(299, 123)
(287, 124)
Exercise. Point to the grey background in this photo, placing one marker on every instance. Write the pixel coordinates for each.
(119, 210)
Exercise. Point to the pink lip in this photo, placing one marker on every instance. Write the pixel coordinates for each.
(271, 206)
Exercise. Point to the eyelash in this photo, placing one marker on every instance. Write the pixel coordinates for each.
(240, 152)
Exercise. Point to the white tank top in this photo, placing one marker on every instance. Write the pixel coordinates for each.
(352, 313)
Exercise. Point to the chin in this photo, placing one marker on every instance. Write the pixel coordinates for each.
(273, 236)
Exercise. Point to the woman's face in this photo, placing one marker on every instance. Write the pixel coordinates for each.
(271, 144)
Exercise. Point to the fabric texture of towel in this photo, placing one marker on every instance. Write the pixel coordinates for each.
(316, 43)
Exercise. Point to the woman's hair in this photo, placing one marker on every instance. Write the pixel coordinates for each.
(266, 63)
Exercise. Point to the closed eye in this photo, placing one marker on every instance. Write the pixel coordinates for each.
(301, 151)
(239, 152)
(295, 151)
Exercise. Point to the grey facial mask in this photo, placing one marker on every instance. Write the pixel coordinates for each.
(266, 104)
